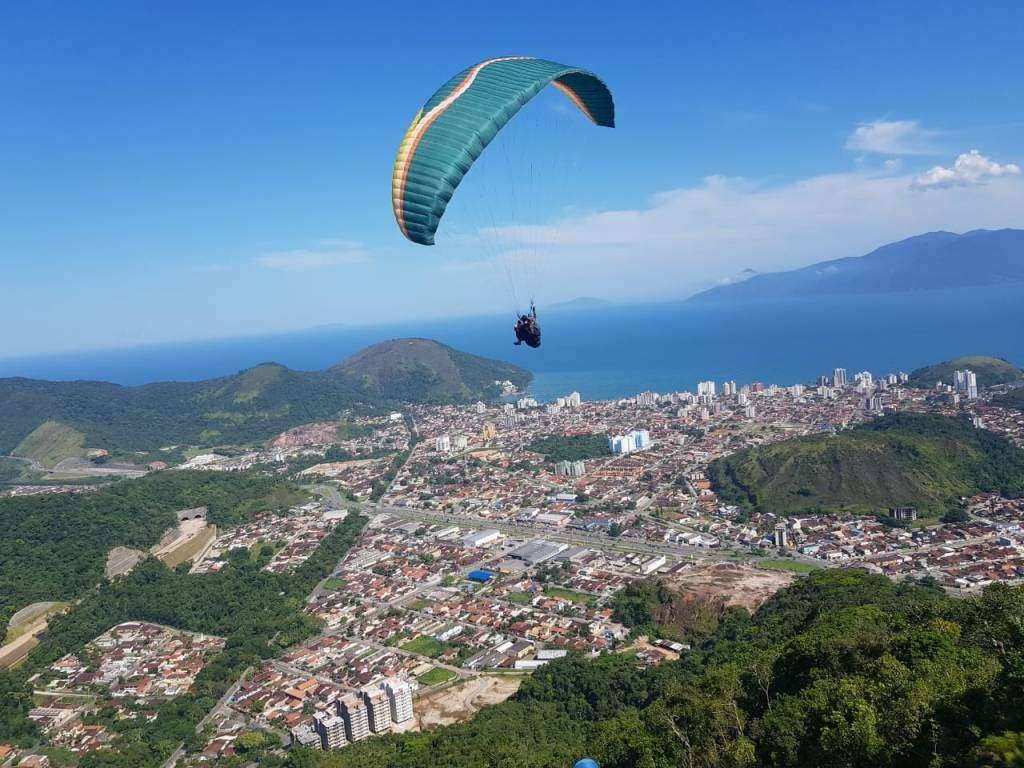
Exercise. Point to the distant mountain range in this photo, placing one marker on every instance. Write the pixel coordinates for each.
(927, 262)
(64, 417)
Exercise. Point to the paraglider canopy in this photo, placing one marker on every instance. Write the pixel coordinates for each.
(460, 120)
(586, 762)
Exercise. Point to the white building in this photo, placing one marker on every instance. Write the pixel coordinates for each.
(650, 566)
(460, 442)
(481, 538)
(706, 388)
(357, 719)
(839, 378)
(331, 730)
(571, 468)
(966, 382)
(443, 444)
(378, 709)
(399, 698)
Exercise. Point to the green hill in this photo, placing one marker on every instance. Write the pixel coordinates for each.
(918, 460)
(989, 370)
(249, 406)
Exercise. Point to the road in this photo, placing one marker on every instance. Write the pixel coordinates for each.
(220, 707)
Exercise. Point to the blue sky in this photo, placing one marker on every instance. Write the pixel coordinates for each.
(186, 170)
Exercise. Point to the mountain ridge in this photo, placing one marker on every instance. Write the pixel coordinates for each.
(929, 261)
(254, 403)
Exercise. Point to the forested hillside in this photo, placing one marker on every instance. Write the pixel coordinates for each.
(249, 406)
(841, 670)
(53, 546)
(920, 460)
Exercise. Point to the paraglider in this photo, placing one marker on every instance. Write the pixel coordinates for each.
(586, 762)
(455, 125)
(527, 330)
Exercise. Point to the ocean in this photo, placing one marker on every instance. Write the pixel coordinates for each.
(618, 351)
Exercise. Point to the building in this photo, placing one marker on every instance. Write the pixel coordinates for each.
(570, 468)
(357, 719)
(331, 730)
(480, 577)
(443, 444)
(650, 566)
(620, 444)
(780, 537)
(749, 411)
(481, 538)
(966, 382)
(378, 709)
(706, 388)
(906, 514)
(537, 551)
(399, 698)
(839, 378)
(480, 407)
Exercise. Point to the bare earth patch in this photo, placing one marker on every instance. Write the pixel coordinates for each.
(460, 702)
(734, 584)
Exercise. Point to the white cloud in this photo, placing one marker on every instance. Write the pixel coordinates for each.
(689, 238)
(892, 137)
(969, 169)
(328, 253)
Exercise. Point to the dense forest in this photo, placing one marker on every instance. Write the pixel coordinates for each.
(570, 447)
(251, 405)
(921, 460)
(258, 612)
(840, 670)
(54, 546)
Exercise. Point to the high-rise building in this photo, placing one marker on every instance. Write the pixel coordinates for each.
(570, 469)
(865, 381)
(442, 443)
(641, 439)
(966, 382)
(378, 708)
(706, 388)
(621, 444)
(331, 730)
(780, 537)
(574, 400)
(357, 719)
(460, 442)
(480, 407)
(749, 411)
(839, 377)
(399, 697)
(742, 398)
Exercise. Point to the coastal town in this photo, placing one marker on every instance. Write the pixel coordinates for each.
(497, 539)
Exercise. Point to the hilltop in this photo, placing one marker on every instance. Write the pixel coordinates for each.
(45, 419)
(919, 460)
(989, 370)
(930, 261)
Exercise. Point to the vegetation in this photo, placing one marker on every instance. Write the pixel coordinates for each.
(650, 607)
(571, 447)
(249, 406)
(918, 460)
(258, 612)
(51, 442)
(989, 370)
(424, 646)
(1012, 399)
(840, 670)
(54, 546)
(435, 676)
